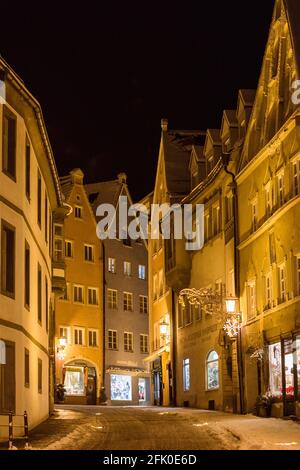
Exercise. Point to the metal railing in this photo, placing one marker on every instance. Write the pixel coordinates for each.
(11, 427)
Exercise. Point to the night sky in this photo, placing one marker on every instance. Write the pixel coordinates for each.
(106, 72)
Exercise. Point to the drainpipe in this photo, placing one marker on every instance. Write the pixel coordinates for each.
(103, 310)
(226, 157)
(174, 348)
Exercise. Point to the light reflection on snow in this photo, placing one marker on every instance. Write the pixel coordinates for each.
(200, 425)
(286, 444)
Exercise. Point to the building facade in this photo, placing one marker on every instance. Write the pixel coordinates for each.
(79, 313)
(127, 380)
(269, 231)
(30, 199)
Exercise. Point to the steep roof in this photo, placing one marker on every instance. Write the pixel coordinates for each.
(292, 9)
(177, 146)
(105, 192)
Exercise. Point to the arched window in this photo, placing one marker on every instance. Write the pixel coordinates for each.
(212, 371)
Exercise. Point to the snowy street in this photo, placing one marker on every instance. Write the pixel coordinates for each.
(132, 428)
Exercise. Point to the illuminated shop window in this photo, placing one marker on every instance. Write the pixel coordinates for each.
(186, 375)
(74, 380)
(275, 369)
(120, 387)
(142, 390)
(212, 371)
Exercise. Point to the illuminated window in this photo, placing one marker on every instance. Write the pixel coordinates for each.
(112, 265)
(74, 380)
(120, 387)
(275, 369)
(142, 272)
(212, 371)
(186, 375)
(127, 268)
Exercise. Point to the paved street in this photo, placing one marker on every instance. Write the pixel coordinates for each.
(130, 428)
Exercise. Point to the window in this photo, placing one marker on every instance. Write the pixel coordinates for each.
(251, 300)
(112, 265)
(197, 311)
(46, 219)
(143, 304)
(65, 332)
(161, 283)
(112, 340)
(207, 226)
(40, 376)
(78, 212)
(254, 216)
(46, 304)
(188, 312)
(27, 168)
(67, 290)
(74, 382)
(9, 144)
(268, 291)
(89, 253)
(93, 338)
(296, 178)
(120, 387)
(128, 342)
(79, 336)
(212, 371)
(144, 346)
(127, 268)
(142, 272)
(112, 299)
(282, 284)
(155, 287)
(27, 276)
(186, 375)
(298, 275)
(58, 243)
(92, 296)
(275, 369)
(268, 200)
(39, 198)
(8, 260)
(26, 369)
(78, 294)
(68, 249)
(128, 302)
(280, 189)
(39, 293)
(216, 220)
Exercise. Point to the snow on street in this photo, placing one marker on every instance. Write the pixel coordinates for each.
(151, 428)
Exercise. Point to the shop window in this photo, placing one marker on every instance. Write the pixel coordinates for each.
(212, 371)
(142, 389)
(186, 375)
(121, 387)
(275, 369)
(74, 380)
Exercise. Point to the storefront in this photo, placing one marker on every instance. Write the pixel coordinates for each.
(80, 382)
(128, 387)
(284, 374)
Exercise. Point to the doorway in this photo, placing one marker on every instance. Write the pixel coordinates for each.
(91, 389)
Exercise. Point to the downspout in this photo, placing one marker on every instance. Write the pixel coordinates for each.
(236, 278)
(174, 348)
(103, 310)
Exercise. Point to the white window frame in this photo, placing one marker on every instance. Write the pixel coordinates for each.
(128, 301)
(78, 286)
(94, 332)
(269, 290)
(142, 272)
(68, 335)
(144, 308)
(113, 336)
(76, 207)
(144, 344)
(114, 304)
(87, 250)
(282, 279)
(111, 266)
(128, 341)
(127, 268)
(82, 330)
(94, 289)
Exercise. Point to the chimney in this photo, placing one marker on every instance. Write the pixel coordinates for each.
(164, 125)
(122, 178)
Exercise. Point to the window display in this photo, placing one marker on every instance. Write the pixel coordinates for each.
(212, 371)
(74, 381)
(275, 369)
(120, 387)
(142, 390)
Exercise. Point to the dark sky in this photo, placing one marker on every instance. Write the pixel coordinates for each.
(106, 72)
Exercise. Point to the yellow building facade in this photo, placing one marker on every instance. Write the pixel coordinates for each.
(79, 313)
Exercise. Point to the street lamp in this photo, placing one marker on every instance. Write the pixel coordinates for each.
(231, 305)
